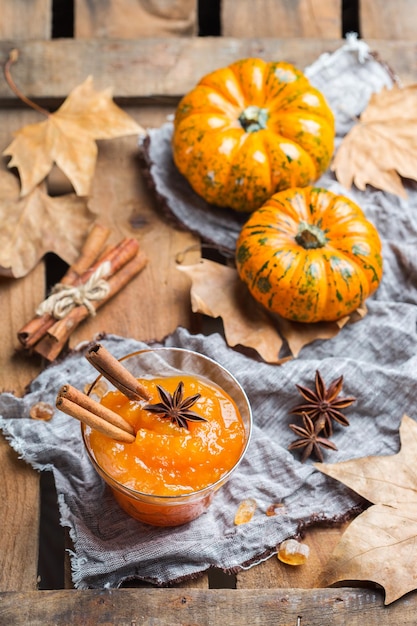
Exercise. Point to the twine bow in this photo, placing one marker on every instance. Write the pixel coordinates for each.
(64, 298)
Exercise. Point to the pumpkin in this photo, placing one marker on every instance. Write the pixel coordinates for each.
(309, 255)
(249, 130)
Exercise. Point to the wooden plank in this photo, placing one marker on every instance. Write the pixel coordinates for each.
(281, 18)
(177, 607)
(19, 522)
(19, 484)
(122, 198)
(388, 20)
(273, 574)
(24, 20)
(128, 19)
(155, 69)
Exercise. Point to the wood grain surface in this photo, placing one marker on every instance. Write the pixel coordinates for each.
(154, 71)
(269, 18)
(25, 20)
(129, 19)
(149, 71)
(390, 20)
(196, 607)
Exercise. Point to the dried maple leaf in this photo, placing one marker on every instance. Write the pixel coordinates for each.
(382, 147)
(217, 291)
(36, 224)
(67, 138)
(380, 545)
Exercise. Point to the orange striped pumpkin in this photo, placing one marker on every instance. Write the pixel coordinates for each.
(309, 255)
(249, 130)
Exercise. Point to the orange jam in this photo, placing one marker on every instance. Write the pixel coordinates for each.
(167, 459)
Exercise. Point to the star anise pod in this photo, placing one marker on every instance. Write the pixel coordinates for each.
(309, 439)
(175, 407)
(323, 405)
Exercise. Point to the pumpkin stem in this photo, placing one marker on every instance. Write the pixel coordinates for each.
(253, 118)
(310, 236)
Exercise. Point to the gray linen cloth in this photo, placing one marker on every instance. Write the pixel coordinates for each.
(377, 357)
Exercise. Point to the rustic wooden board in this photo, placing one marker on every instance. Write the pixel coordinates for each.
(157, 69)
(19, 522)
(177, 607)
(388, 20)
(135, 18)
(281, 18)
(19, 484)
(25, 20)
(272, 574)
(158, 299)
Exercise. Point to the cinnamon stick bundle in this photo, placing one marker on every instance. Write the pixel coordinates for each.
(47, 335)
(58, 334)
(35, 329)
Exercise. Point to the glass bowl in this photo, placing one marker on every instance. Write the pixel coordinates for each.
(171, 510)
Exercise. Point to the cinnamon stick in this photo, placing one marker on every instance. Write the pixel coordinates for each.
(117, 256)
(86, 402)
(93, 420)
(114, 371)
(35, 329)
(90, 252)
(58, 334)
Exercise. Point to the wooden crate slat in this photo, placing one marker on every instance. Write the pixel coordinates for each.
(20, 19)
(281, 18)
(19, 484)
(19, 522)
(388, 19)
(273, 574)
(121, 197)
(128, 19)
(175, 607)
(157, 68)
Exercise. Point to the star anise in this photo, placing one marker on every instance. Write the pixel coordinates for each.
(175, 407)
(309, 439)
(323, 405)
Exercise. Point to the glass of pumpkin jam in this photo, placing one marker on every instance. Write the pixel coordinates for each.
(190, 435)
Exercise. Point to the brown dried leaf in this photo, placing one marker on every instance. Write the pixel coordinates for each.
(36, 224)
(217, 291)
(67, 138)
(382, 147)
(299, 335)
(380, 545)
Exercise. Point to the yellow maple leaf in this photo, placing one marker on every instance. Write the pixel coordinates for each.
(380, 545)
(68, 138)
(381, 148)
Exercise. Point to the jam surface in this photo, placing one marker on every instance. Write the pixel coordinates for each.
(167, 459)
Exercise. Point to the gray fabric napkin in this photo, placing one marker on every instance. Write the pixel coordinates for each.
(376, 356)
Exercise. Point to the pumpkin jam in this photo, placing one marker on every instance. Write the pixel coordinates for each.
(167, 459)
